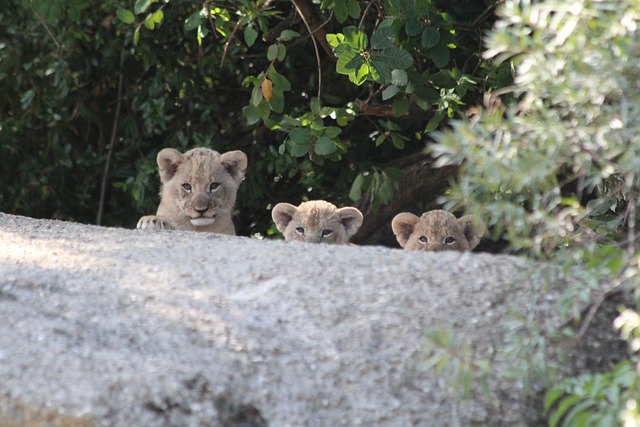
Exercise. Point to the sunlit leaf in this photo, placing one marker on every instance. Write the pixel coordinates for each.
(125, 16)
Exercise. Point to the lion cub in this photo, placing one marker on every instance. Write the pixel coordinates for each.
(437, 230)
(316, 221)
(198, 190)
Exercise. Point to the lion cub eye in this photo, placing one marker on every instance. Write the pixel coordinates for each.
(326, 232)
(449, 240)
(423, 239)
(300, 231)
(186, 187)
(213, 187)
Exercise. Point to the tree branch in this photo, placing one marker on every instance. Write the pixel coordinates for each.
(112, 142)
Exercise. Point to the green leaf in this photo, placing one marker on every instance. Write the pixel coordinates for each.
(357, 187)
(563, 407)
(435, 121)
(332, 131)
(250, 35)
(277, 102)
(398, 140)
(299, 142)
(397, 58)
(360, 75)
(355, 38)
(126, 16)
(354, 8)
(287, 35)
(334, 40)
(193, 21)
(399, 77)
(272, 52)
(341, 10)
(382, 70)
(136, 36)
(256, 96)
(426, 97)
(430, 37)
(251, 113)
(551, 397)
(413, 27)
(400, 108)
(27, 98)
(440, 55)
(279, 81)
(348, 62)
(141, 6)
(384, 37)
(443, 79)
(153, 19)
(324, 146)
(282, 53)
(389, 92)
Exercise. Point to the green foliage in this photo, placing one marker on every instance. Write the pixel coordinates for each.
(96, 90)
(454, 359)
(603, 399)
(553, 169)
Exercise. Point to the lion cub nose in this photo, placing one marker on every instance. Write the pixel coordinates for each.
(201, 211)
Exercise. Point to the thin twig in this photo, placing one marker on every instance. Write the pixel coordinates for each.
(112, 142)
(315, 46)
(228, 43)
(615, 284)
(364, 14)
(46, 27)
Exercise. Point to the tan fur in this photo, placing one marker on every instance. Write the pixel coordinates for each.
(198, 190)
(316, 221)
(437, 230)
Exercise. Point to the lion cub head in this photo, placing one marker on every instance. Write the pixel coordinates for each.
(198, 190)
(437, 230)
(316, 221)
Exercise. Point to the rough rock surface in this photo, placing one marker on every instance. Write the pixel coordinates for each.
(115, 327)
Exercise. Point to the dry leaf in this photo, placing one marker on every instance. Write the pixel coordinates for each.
(267, 89)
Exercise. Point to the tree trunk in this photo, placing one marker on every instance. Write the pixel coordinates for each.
(420, 181)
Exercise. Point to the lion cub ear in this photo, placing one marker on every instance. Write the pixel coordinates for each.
(351, 219)
(235, 162)
(168, 161)
(282, 214)
(473, 229)
(403, 226)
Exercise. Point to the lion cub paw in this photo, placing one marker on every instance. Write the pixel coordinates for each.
(152, 222)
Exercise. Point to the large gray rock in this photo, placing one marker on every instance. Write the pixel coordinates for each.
(114, 327)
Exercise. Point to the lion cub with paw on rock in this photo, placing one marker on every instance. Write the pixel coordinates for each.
(198, 190)
(437, 230)
(316, 221)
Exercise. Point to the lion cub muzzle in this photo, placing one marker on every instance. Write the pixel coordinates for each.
(201, 212)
